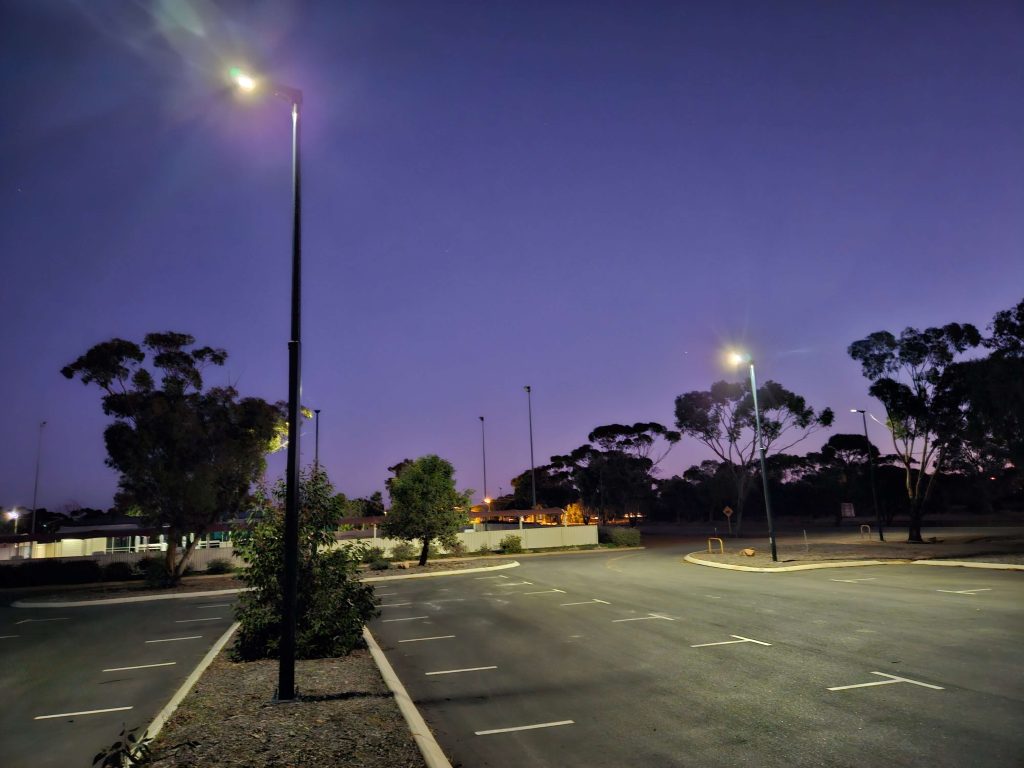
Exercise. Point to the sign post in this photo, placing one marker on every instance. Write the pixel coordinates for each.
(728, 517)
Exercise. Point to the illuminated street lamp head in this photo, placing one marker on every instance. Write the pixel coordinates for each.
(856, 410)
(14, 514)
(487, 499)
(738, 358)
(243, 80)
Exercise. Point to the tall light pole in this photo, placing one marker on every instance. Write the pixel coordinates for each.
(14, 515)
(289, 580)
(871, 471)
(533, 472)
(483, 445)
(738, 358)
(316, 452)
(35, 491)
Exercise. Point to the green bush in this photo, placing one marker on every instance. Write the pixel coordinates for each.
(405, 550)
(484, 549)
(511, 544)
(48, 571)
(154, 571)
(618, 537)
(219, 565)
(380, 565)
(456, 548)
(118, 572)
(371, 554)
(333, 605)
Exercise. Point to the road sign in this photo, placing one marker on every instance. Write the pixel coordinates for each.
(727, 511)
(847, 510)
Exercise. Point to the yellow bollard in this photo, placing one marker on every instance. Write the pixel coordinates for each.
(721, 545)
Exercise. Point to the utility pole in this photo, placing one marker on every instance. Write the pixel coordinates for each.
(533, 472)
(35, 490)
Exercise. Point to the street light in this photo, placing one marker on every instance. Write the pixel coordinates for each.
(286, 668)
(737, 358)
(35, 492)
(14, 514)
(316, 452)
(533, 472)
(871, 472)
(483, 445)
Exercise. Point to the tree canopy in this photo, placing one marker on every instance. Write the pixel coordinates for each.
(722, 418)
(425, 504)
(186, 457)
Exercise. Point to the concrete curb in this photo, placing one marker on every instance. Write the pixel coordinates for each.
(973, 564)
(119, 600)
(164, 715)
(513, 564)
(431, 750)
(854, 564)
(805, 567)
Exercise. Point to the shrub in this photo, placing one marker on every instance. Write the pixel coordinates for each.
(403, 551)
(457, 548)
(371, 554)
(511, 544)
(154, 571)
(118, 572)
(619, 537)
(48, 571)
(484, 549)
(220, 565)
(380, 564)
(333, 605)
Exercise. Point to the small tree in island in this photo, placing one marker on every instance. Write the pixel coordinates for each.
(425, 504)
(186, 457)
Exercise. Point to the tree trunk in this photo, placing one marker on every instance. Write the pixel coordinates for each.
(169, 558)
(179, 568)
(425, 551)
(914, 529)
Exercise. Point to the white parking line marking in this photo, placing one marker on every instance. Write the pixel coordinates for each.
(455, 671)
(141, 666)
(964, 591)
(523, 728)
(739, 639)
(407, 618)
(36, 621)
(86, 712)
(393, 605)
(386, 594)
(603, 602)
(545, 592)
(172, 639)
(214, 605)
(854, 581)
(584, 602)
(892, 679)
(481, 578)
(644, 618)
(420, 639)
(189, 621)
(514, 583)
(713, 597)
(6, 637)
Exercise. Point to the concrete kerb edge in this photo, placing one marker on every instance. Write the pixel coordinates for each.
(164, 715)
(973, 564)
(133, 599)
(513, 564)
(424, 738)
(805, 567)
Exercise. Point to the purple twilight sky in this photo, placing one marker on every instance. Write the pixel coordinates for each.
(592, 198)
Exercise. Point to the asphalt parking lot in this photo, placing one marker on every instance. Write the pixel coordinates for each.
(73, 677)
(621, 659)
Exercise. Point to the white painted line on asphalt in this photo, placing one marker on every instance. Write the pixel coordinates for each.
(892, 679)
(964, 591)
(523, 728)
(714, 597)
(385, 594)
(644, 618)
(854, 581)
(603, 602)
(739, 639)
(421, 639)
(584, 602)
(514, 583)
(481, 578)
(172, 639)
(393, 605)
(36, 621)
(545, 592)
(214, 605)
(407, 618)
(7, 637)
(141, 666)
(208, 618)
(456, 671)
(86, 712)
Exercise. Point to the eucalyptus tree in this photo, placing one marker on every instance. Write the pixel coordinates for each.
(722, 418)
(186, 456)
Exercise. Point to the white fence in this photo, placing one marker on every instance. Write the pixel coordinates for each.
(530, 538)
